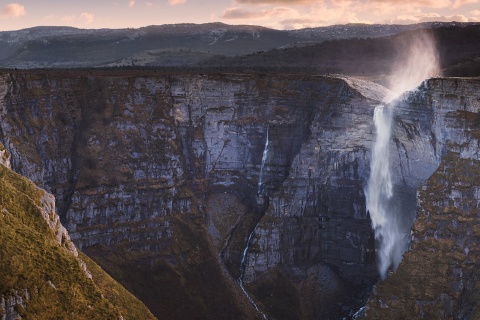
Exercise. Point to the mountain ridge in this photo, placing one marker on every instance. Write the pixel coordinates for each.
(45, 46)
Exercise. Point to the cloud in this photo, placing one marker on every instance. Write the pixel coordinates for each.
(413, 3)
(460, 3)
(13, 10)
(428, 17)
(297, 14)
(131, 3)
(298, 23)
(417, 3)
(68, 18)
(289, 2)
(176, 2)
(87, 17)
(239, 13)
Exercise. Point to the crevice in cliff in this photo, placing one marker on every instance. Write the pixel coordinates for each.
(234, 247)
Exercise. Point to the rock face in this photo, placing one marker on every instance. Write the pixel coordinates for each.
(157, 178)
(438, 277)
(42, 273)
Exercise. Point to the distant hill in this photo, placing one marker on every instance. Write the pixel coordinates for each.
(166, 45)
(458, 47)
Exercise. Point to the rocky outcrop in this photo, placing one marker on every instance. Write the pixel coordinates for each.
(11, 304)
(438, 276)
(157, 178)
(41, 271)
(136, 160)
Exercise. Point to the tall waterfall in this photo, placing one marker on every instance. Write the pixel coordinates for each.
(379, 193)
(416, 61)
(264, 158)
(260, 194)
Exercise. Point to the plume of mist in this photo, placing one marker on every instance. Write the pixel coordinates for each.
(417, 60)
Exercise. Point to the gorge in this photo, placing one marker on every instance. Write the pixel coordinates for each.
(164, 178)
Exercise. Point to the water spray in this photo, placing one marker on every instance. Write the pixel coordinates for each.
(417, 61)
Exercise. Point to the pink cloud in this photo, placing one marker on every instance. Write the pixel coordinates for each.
(414, 3)
(313, 13)
(13, 10)
(87, 17)
(68, 18)
(176, 2)
(460, 3)
(298, 23)
(131, 3)
(239, 13)
(428, 17)
(290, 2)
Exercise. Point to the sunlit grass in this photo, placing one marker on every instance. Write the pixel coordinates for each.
(48, 275)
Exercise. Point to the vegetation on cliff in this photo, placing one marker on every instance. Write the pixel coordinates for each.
(438, 278)
(41, 278)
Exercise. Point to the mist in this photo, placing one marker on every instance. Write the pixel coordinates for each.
(417, 60)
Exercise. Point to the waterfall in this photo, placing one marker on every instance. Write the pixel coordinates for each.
(379, 193)
(242, 272)
(243, 262)
(417, 60)
(264, 158)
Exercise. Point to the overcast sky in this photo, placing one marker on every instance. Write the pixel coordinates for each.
(278, 14)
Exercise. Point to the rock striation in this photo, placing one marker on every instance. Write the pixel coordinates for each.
(156, 178)
(42, 273)
(438, 277)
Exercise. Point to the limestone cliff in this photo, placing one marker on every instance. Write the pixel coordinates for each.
(438, 277)
(157, 178)
(42, 274)
(142, 163)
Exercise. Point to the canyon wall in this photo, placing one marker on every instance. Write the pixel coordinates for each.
(438, 277)
(42, 274)
(156, 178)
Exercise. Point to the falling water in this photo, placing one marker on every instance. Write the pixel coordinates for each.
(242, 272)
(417, 61)
(380, 191)
(245, 251)
(264, 158)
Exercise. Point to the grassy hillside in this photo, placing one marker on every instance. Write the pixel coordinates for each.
(42, 278)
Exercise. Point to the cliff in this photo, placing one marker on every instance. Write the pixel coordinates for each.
(157, 178)
(42, 273)
(438, 277)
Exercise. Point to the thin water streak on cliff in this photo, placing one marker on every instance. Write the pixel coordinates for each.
(242, 272)
(264, 159)
(260, 191)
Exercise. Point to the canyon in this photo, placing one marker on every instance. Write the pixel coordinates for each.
(156, 178)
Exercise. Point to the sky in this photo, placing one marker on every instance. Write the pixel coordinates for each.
(277, 14)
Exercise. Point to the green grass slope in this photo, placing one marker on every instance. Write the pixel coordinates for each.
(41, 276)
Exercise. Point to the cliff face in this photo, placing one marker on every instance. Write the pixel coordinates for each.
(157, 178)
(42, 273)
(438, 277)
